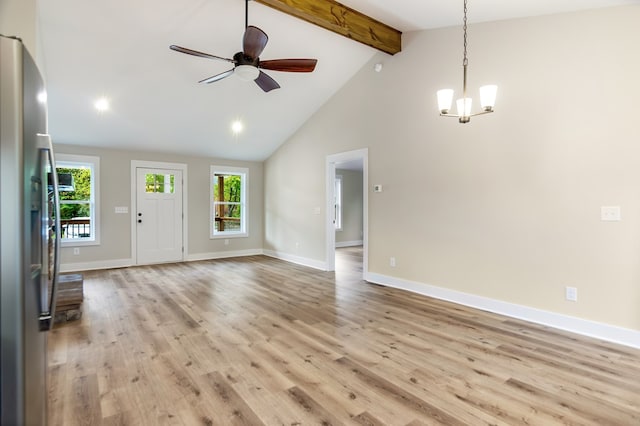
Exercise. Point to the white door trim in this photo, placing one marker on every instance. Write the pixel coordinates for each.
(135, 164)
(331, 161)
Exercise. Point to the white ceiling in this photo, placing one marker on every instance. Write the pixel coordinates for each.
(120, 49)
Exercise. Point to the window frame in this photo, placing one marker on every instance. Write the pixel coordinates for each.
(93, 163)
(243, 172)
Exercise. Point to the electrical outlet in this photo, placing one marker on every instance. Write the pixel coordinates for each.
(226, 242)
(571, 294)
(392, 262)
(76, 251)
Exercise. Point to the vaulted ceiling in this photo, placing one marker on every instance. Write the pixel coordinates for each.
(119, 50)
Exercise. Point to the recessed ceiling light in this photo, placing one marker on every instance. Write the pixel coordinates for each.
(236, 127)
(102, 104)
(42, 97)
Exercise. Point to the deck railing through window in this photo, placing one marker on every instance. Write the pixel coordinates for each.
(76, 228)
(227, 223)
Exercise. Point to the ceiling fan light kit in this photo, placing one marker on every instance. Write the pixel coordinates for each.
(246, 72)
(247, 65)
(463, 105)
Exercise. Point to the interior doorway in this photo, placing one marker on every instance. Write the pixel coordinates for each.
(338, 166)
(349, 263)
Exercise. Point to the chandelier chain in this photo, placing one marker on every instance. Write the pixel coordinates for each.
(465, 61)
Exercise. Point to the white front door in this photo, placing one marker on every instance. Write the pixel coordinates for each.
(158, 215)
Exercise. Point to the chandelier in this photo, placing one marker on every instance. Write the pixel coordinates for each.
(487, 93)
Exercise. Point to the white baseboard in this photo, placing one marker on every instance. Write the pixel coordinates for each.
(222, 255)
(623, 336)
(311, 263)
(340, 244)
(100, 264)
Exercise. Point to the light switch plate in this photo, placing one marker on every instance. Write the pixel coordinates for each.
(610, 213)
(377, 188)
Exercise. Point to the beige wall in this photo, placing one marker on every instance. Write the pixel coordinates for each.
(507, 206)
(19, 18)
(115, 190)
(351, 206)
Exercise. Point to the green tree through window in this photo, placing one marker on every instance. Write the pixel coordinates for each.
(160, 183)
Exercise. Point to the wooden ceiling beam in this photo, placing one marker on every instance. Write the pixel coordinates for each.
(340, 19)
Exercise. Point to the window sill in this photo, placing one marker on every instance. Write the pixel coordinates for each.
(229, 235)
(78, 243)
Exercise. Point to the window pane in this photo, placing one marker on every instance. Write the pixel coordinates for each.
(77, 188)
(159, 183)
(227, 188)
(75, 220)
(228, 218)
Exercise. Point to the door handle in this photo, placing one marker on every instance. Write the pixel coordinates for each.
(47, 313)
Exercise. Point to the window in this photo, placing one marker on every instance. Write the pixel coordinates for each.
(78, 188)
(337, 203)
(229, 201)
(163, 184)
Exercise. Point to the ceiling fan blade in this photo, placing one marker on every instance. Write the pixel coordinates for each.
(217, 77)
(254, 41)
(266, 83)
(196, 53)
(289, 65)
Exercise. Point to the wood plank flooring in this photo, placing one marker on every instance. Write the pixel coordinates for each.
(254, 340)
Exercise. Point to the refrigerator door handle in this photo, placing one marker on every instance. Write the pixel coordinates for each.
(47, 316)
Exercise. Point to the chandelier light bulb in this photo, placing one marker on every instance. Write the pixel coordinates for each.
(464, 109)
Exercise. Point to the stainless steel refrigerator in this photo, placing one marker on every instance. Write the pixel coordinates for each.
(29, 243)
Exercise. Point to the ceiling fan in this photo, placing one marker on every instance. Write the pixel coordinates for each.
(247, 64)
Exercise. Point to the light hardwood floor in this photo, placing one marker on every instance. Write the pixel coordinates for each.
(258, 341)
